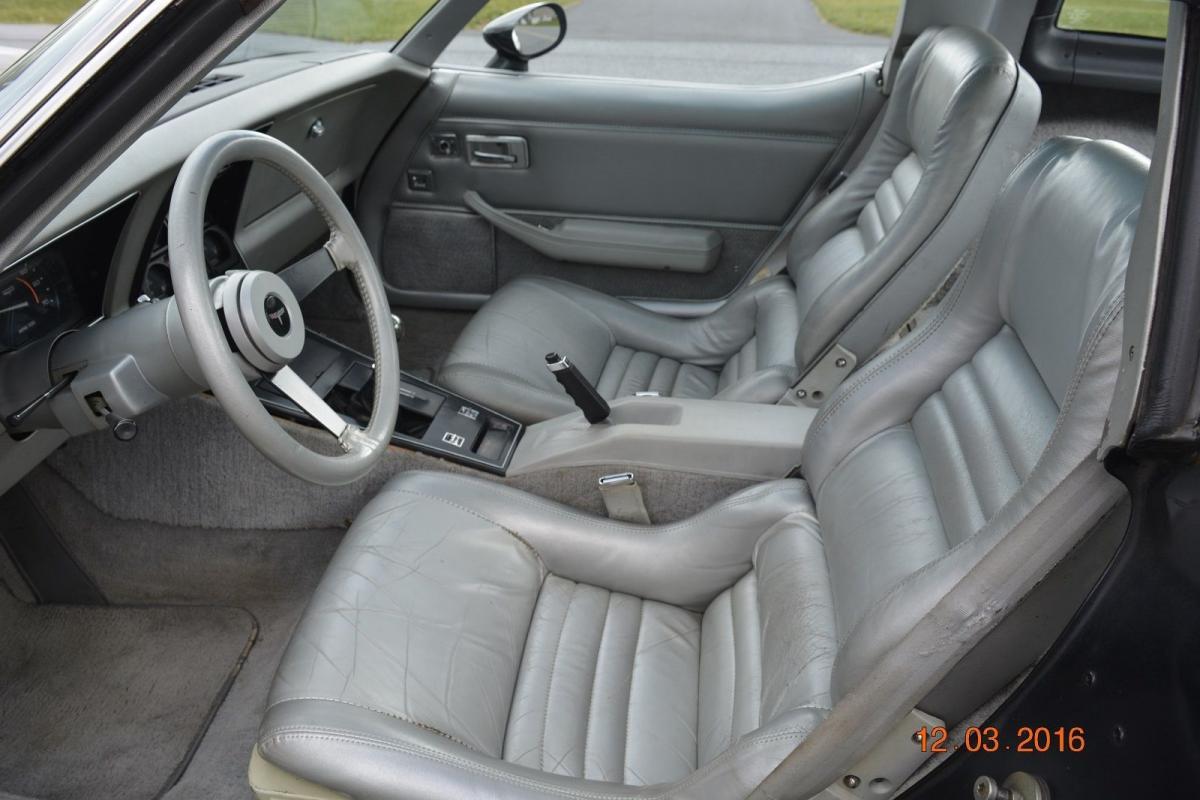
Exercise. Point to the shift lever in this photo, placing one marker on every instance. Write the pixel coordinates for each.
(593, 406)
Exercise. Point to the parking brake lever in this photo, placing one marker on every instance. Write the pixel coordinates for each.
(593, 406)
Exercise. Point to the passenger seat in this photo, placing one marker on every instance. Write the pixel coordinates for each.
(471, 640)
(860, 262)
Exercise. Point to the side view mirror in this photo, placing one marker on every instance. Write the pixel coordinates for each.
(524, 33)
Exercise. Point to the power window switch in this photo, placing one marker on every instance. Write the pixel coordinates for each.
(420, 180)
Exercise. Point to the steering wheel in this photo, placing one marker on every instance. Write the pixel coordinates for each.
(247, 324)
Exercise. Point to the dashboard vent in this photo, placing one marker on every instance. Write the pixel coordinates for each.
(212, 80)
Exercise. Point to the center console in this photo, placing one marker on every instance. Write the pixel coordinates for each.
(431, 420)
(746, 441)
(715, 437)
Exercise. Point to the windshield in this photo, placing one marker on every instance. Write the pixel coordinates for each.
(307, 26)
(27, 69)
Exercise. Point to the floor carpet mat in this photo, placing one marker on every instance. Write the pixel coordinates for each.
(110, 701)
(271, 574)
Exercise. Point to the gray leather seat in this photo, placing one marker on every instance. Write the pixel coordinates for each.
(860, 262)
(470, 640)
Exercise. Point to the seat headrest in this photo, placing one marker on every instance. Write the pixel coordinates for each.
(1062, 232)
(948, 73)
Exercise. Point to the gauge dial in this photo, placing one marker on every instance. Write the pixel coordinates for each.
(220, 256)
(156, 282)
(31, 301)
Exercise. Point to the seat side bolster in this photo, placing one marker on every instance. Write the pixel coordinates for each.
(904, 291)
(420, 620)
(685, 563)
(710, 339)
(364, 757)
(761, 386)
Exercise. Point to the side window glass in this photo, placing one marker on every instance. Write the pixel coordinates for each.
(1146, 18)
(702, 41)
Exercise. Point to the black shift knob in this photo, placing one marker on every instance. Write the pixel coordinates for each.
(593, 406)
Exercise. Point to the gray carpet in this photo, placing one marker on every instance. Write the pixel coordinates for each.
(110, 701)
(271, 574)
(189, 466)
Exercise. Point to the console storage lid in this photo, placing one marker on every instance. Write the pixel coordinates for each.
(745, 440)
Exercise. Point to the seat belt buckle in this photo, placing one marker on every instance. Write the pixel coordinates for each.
(623, 498)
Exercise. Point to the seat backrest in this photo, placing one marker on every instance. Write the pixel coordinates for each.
(937, 448)
(865, 257)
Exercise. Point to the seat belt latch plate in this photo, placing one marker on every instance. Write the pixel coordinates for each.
(623, 498)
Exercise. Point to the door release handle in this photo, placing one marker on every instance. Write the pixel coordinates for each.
(495, 158)
(497, 152)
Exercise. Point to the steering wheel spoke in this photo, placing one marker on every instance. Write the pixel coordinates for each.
(305, 275)
(287, 381)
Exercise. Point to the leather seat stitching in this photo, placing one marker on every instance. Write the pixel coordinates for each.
(733, 671)
(587, 721)
(401, 717)
(637, 643)
(562, 628)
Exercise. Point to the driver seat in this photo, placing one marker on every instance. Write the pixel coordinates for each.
(470, 640)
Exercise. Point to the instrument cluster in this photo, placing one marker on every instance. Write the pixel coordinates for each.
(153, 280)
(220, 256)
(60, 285)
(37, 298)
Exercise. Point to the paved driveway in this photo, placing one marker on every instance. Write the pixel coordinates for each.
(16, 39)
(718, 41)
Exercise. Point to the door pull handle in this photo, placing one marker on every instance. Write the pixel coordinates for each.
(493, 158)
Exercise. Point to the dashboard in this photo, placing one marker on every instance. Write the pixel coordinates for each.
(105, 254)
(107, 251)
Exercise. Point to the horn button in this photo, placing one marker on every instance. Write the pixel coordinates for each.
(263, 318)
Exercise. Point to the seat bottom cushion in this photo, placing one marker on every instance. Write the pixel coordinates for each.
(609, 687)
(743, 351)
(455, 649)
(628, 371)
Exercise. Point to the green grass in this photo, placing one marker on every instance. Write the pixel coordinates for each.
(43, 11)
(1138, 17)
(863, 16)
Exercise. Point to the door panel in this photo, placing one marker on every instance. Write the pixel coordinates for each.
(734, 160)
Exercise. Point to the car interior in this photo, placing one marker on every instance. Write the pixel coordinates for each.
(379, 427)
